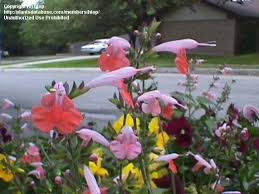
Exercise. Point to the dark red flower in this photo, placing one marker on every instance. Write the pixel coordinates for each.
(165, 182)
(256, 144)
(182, 130)
(243, 147)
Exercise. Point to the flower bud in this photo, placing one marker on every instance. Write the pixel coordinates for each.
(59, 180)
(136, 32)
(158, 35)
(68, 173)
(245, 134)
(93, 158)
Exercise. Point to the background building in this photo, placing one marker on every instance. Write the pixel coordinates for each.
(234, 25)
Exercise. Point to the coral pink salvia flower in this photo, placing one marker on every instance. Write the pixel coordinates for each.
(176, 45)
(151, 103)
(126, 146)
(115, 78)
(7, 104)
(113, 59)
(119, 42)
(57, 111)
(91, 181)
(87, 135)
(202, 163)
(251, 112)
(168, 157)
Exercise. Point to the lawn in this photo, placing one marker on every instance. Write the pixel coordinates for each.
(242, 61)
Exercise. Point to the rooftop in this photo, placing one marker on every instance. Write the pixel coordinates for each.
(245, 8)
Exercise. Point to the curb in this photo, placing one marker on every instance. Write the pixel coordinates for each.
(244, 72)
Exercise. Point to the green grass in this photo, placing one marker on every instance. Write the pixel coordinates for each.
(242, 61)
(67, 64)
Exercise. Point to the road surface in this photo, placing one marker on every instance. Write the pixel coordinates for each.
(27, 87)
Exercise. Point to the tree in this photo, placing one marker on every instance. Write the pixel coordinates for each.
(10, 30)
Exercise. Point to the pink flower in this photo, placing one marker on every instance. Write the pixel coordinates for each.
(245, 134)
(251, 112)
(168, 157)
(176, 45)
(227, 71)
(39, 172)
(87, 135)
(151, 102)
(210, 95)
(6, 117)
(91, 181)
(202, 163)
(59, 180)
(7, 104)
(119, 42)
(126, 146)
(222, 131)
(26, 116)
(32, 155)
(115, 78)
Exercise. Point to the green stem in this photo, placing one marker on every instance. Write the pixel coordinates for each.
(145, 175)
(74, 165)
(120, 179)
(173, 183)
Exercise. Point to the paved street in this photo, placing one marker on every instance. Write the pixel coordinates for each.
(27, 87)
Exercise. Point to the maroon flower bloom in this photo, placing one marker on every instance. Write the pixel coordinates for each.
(182, 130)
(256, 144)
(243, 147)
(166, 181)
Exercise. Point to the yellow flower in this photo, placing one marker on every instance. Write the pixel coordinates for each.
(118, 125)
(5, 173)
(97, 169)
(154, 125)
(162, 140)
(131, 169)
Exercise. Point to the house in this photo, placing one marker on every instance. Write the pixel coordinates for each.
(234, 25)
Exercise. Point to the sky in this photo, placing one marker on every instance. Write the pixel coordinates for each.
(29, 2)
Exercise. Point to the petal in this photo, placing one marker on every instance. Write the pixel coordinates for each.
(112, 78)
(182, 63)
(91, 181)
(118, 150)
(85, 134)
(202, 161)
(168, 157)
(174, 46)
(42, 119)
(133, 150)
(123, 88)
(113, 59)
(119, 42)
(69, 121)
(48, 100)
